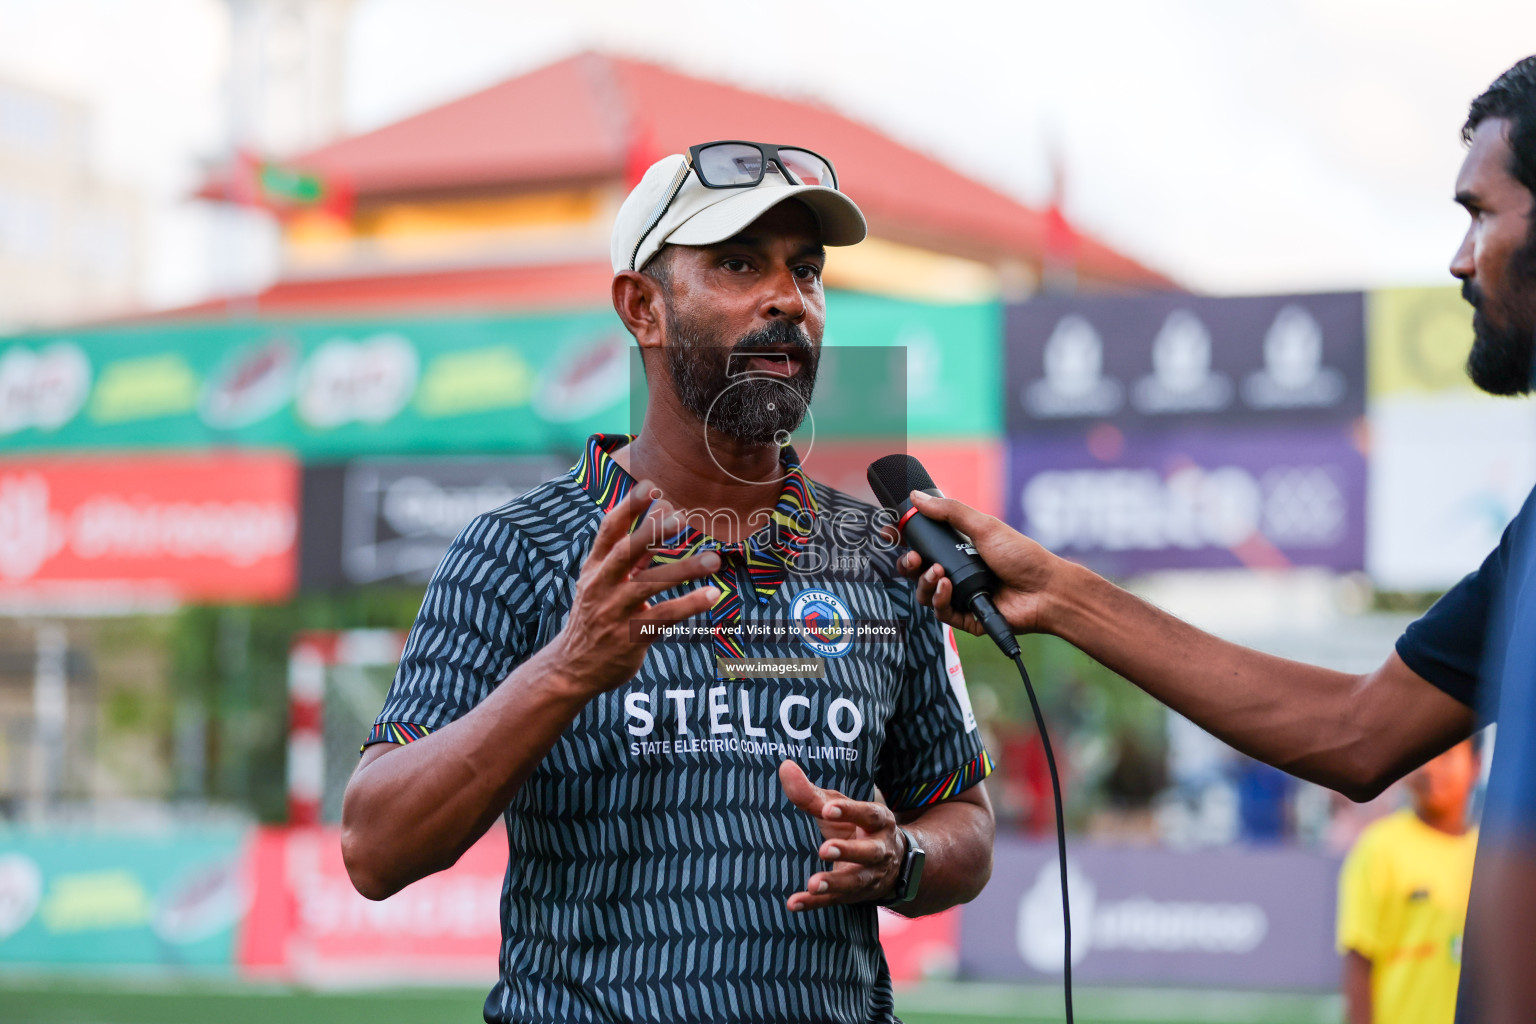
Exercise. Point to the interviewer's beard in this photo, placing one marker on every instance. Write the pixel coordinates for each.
(753, 408)
(1504, 333)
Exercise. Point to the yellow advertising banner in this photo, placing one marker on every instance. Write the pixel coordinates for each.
(1417, 340)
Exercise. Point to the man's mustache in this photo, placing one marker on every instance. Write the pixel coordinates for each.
(1473, 294)
(777, 339)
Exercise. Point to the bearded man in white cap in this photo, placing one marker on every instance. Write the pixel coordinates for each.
(701, 826)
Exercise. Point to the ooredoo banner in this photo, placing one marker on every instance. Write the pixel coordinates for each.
(1174, 360)
(1125, 503)
(1232, 917)
(76, 898)
(204, 527)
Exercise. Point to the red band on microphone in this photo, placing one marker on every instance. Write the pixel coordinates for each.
(901, 524)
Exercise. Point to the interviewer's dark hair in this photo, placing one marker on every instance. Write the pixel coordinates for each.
(1512, 98)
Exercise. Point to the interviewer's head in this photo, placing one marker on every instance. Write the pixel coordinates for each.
(1497, 259)
(715, 274)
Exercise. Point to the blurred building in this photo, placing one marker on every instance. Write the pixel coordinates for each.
(505, 199)
(69, 242)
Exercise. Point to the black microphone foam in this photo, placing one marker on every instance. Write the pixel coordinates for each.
(896, 476)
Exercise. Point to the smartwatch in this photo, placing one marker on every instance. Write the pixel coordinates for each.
(911, 874)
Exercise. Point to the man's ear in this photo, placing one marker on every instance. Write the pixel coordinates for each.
(638, 301)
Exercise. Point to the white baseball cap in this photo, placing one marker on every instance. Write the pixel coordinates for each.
(702, 216)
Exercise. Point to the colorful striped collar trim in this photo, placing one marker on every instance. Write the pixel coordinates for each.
(782, 539)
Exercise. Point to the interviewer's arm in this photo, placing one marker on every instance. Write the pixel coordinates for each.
(414, 809)
(1353, 733)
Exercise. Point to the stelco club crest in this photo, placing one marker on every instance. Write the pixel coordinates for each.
(826, 621)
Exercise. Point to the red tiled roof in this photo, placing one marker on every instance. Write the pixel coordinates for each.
(555, 286)
(587, 117)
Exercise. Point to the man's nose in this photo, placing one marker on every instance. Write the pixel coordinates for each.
(1463, 264)
(783, 300)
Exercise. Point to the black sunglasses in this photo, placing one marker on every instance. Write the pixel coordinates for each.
(732, 163)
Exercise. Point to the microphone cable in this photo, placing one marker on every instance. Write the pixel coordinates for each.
(1061, 830)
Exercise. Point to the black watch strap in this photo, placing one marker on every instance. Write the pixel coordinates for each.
(911, 874)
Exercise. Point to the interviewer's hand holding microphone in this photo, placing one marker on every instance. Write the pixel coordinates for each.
(1025, 571)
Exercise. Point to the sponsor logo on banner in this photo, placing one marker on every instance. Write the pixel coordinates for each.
(1235, 917)
(398, 516)
(21, 890)
(1261, 499)
(251, 386)
(178, 523)
(1137, 924)
(1181, 378)
(42, 390)
(1073, 384)
(345, 381)
(1178, 360)
(584, 380)
(1294, 376)
(826, 622)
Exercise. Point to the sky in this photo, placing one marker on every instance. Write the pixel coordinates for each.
(1239, 147)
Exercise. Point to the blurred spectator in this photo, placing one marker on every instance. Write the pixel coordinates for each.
(1264, 801)
(1403, 899)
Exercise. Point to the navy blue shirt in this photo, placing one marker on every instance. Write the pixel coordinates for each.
(653, 849)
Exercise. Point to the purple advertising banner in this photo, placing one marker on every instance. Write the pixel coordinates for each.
(1233, 917)
(1124, 504)
(1175, 360)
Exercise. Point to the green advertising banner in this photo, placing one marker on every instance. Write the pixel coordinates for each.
(953, 354)
(86, 899)
(337, 389)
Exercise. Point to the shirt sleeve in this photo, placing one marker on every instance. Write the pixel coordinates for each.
(476, 624)
(1359, 924)
(1445, 646)
(932, 749)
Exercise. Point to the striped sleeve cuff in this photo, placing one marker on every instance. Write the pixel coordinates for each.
(393, 732)
(926, 794)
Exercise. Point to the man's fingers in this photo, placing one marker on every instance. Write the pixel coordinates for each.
(801, 792)
(867, 815)
(617, 522)
(855, 851)
(679, 608)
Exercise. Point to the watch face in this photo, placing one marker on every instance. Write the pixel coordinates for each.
(913, 870)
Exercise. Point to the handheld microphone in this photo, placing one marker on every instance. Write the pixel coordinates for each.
(893, 479)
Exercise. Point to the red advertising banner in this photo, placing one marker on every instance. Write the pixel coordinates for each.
(188, 527)
(970, 470)
(306, 923)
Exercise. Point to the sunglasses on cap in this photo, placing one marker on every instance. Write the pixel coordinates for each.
(732, 163)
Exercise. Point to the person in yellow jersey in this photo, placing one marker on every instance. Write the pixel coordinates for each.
(1403, 899)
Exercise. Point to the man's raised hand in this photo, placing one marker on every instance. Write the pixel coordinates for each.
(859, 837)
(596, 648)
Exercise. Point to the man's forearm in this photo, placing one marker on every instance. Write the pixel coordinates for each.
(956, 839)
(1313, 722)
(417, 808)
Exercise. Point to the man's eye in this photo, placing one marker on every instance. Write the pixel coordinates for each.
(807, 272)
(735, 265)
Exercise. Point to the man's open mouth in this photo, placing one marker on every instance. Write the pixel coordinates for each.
(776, 364)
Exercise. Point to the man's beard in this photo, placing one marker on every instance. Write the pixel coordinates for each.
(1504, 336)
(752, 408)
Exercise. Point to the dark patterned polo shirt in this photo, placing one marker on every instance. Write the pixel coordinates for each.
(653, 849)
